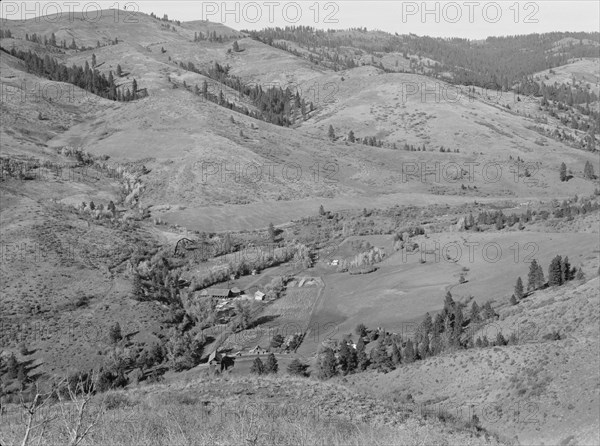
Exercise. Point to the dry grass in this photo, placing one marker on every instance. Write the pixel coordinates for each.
(271, 411)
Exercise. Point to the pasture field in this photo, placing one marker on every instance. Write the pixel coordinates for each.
(403, 289)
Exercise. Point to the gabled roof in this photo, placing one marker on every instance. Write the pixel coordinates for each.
(219, 292)
(214, 356)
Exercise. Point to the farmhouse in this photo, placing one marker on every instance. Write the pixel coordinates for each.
(223, 362)
(217, 292)
(258, 350)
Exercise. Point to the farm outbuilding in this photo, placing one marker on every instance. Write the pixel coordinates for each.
(217, 292)
(259, 295)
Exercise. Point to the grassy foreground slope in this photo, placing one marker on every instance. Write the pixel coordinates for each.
(257, 411)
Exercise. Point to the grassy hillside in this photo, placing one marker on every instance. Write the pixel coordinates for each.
(270, 411)
(542, 391)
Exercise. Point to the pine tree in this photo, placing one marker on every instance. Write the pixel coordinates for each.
(500, 340)
(588, 171)
(322, 212)
(448, 303)
(409, 352)
(396, 355)
(361, 356)
(351, 136)
(327, 366)
(236, 47)
(475, 317)
(457, 327)
(423, 349)
(258, 368)
(271, 232)
(12, 366)
(555, 272)
(114, 333)
(513, 300)
(532, 279)
(271, 366)
(540, 280)
(519, 289)
(21, 374)
(427, 325)
(563, 172)
(379, 355)
(331, 132)
(488, 311)
(438, 325)
(566, 270)
(344, 358)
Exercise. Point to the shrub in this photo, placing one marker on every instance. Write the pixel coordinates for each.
(297, 368)
(116, 401)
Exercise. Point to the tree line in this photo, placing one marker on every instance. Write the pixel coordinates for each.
(87, 78)
(274, 104)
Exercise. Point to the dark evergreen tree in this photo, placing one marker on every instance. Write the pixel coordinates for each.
(277, 341)
(379, 355)
(457, 325)
(271, 366)
(409, 352)
(500, 340)
(427, 325)
(567, 274)
(361, 355)
(540, 280)
(258, 368)
(488, 311)
(555, 275)
(588, 171)
(12, 366)
(114, 333)
(532, 279)
(396, 355)
(563, 172)
(519, 289)
(327, 364)
(475, 317)
(344, 357)
(271, 232)
(331, 133)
